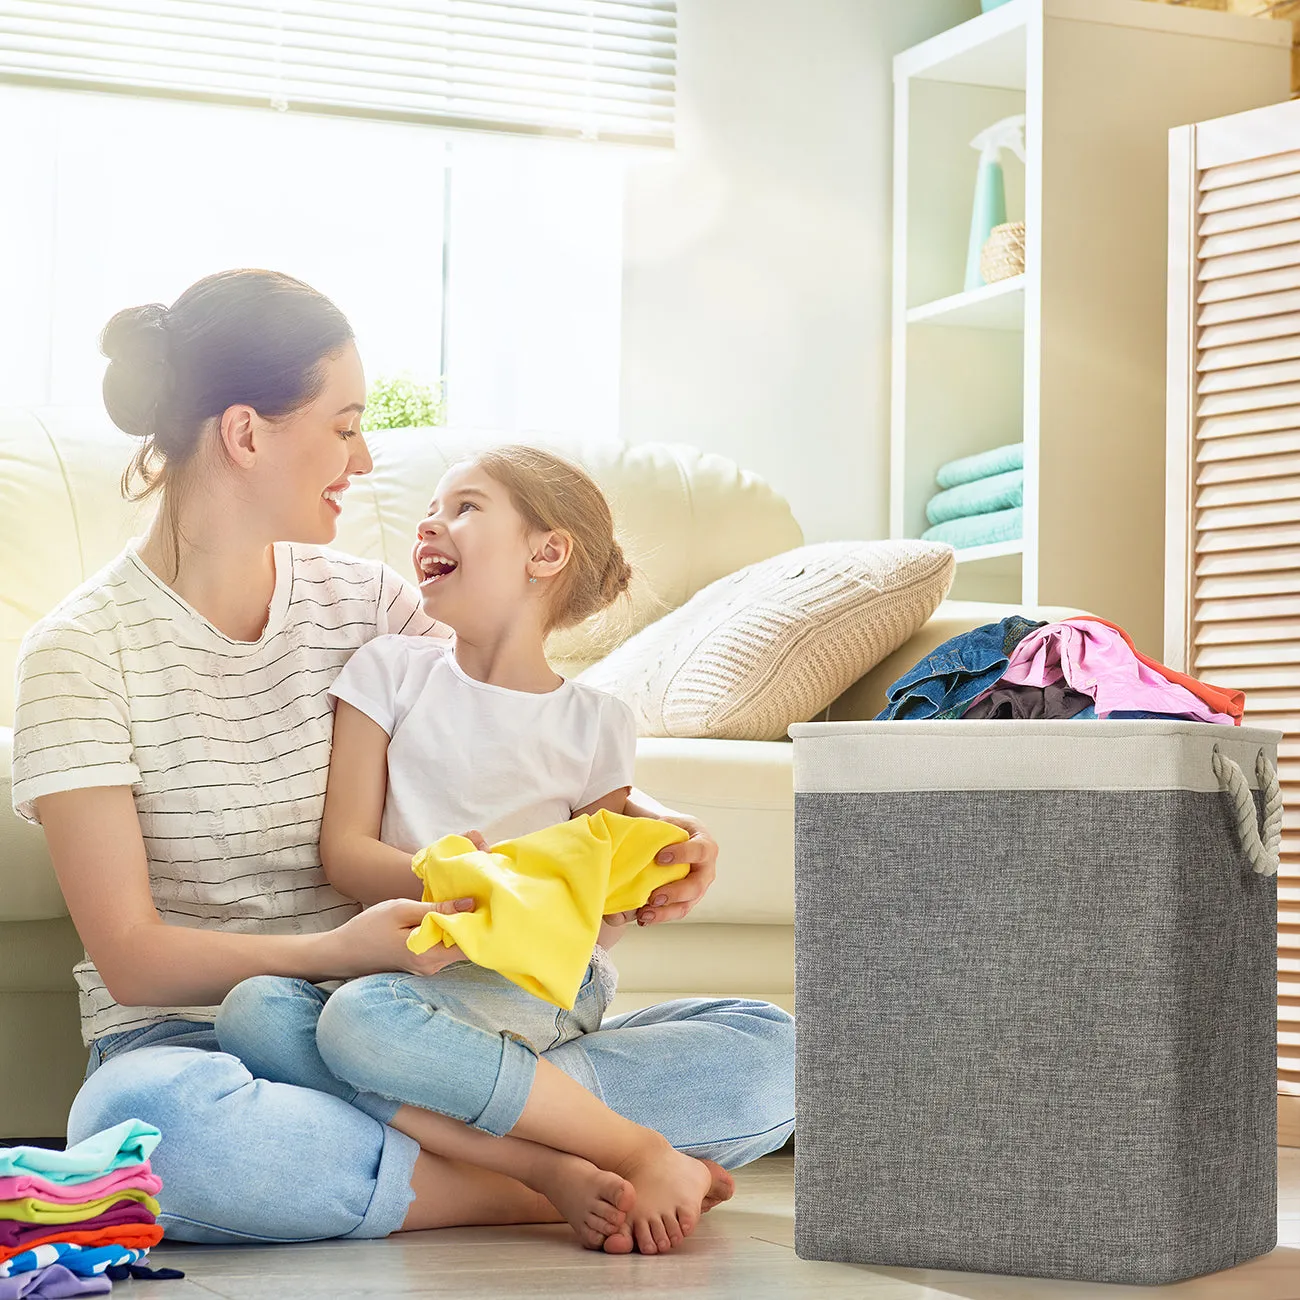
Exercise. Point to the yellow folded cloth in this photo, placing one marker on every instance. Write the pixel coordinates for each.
(31, 1209)
(540, 898)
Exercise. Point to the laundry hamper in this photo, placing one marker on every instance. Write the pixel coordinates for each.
(1035, 991)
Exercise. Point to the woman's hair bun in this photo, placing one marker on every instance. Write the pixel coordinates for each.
(135, 343)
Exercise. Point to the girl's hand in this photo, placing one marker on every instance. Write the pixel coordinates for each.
(375, 942)
(674, 901)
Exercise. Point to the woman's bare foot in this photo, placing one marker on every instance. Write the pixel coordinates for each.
(722, 1188)
(594, 1202)
(670, 1192)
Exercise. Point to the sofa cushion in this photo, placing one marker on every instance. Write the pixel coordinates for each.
(685, 517)
(776, 641)
(743, 791)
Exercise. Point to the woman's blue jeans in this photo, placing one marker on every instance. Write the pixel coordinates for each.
(274, 1120)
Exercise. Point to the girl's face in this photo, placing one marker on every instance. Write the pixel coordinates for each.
(472, 552)
(310, 457)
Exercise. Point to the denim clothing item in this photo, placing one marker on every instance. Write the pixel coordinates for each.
(950, 677)
(268, 1021)
(379, 1042)
(248, 1159)
(244, 1161)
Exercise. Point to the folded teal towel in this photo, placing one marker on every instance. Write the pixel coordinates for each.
(979, 530)
(987, 463)
(1000, 492)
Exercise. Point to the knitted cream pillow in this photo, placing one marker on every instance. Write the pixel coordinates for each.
(776, 642)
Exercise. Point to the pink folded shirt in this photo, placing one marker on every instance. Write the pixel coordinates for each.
(1096, 660)
(16, 1186)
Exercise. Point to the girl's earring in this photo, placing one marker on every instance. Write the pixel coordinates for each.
(532, 579)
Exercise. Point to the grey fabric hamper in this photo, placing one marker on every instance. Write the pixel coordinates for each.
(1035, 990)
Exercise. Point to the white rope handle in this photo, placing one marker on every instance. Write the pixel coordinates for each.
(1262, 851)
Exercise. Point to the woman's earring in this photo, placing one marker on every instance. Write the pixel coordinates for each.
(532, 579)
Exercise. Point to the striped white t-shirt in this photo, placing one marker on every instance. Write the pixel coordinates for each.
(225, 744)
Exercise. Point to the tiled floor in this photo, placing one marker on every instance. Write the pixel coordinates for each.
(742, 1251)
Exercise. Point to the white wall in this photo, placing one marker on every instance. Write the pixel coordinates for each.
(757, 256)
(534, 285)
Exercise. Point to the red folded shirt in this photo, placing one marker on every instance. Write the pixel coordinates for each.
(136, 1236)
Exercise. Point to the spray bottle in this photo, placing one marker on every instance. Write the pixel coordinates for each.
(990, 193)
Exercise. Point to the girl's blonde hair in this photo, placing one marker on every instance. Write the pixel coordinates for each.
(554, 495)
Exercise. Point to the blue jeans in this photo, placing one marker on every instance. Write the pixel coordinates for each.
(943, 684)
(251, 1154)
(463, 1042)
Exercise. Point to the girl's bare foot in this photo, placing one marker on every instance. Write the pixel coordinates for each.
(670, 1192)
(722, 1188)
(594, 1202)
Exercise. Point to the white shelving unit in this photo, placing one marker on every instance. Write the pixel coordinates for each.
(998, 306)
(1070, 355)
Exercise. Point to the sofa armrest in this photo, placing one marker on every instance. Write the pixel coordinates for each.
(869, 694)
(29, 890)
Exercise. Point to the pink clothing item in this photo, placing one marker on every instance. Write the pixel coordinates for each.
(135, 1177)
(1095, 659)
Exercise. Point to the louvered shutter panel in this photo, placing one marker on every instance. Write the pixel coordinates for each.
(1238, 436)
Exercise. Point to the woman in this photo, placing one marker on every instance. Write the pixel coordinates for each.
(172, 737)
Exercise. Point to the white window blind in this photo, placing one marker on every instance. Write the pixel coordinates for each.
(584, 69)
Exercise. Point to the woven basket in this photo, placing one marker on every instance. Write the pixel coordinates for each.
(1003, 254)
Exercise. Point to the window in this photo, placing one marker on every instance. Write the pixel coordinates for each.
(493, 262)
(116, 201)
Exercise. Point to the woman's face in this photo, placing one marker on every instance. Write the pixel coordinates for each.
(471, 552)
(310, 457)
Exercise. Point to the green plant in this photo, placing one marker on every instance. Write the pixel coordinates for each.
(399, 402)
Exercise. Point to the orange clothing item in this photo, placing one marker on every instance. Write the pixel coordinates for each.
(1220, 698)
(136, 1236)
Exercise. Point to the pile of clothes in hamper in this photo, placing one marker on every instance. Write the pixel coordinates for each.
(1080, 668)
(72, 1222)
(983, 500)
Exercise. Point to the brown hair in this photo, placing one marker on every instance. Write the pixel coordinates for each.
(246, 337)
(554, 495)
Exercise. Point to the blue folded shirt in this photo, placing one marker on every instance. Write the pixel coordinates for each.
(129, 1143)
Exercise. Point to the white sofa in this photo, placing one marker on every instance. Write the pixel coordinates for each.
(688, 518)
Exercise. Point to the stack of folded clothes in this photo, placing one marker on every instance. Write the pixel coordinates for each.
(983, 501)
(72, 1220)
(1080, 668)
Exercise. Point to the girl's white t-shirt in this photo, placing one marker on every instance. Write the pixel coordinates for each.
(467, 756)
(225, 744)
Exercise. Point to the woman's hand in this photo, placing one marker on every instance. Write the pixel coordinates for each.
(375, 941)
(673, 901)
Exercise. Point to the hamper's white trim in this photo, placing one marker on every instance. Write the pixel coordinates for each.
(875, 757)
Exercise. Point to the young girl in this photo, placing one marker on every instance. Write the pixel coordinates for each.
(434, 736)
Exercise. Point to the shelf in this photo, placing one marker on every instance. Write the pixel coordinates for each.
(990, 49)
(997, 306)
(972, 554)
(985, 51)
